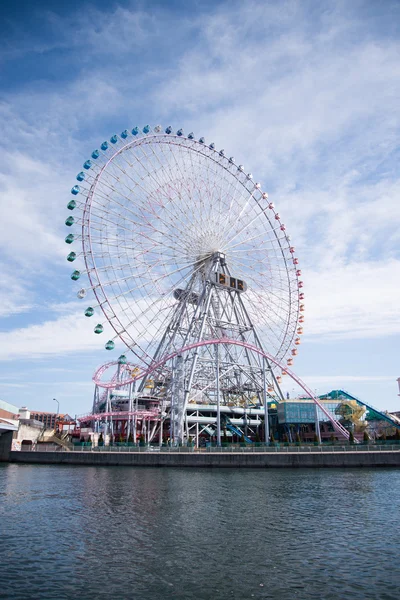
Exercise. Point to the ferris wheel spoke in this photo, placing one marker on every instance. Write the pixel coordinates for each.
(174, 217)
(188, 189)
(142, 188)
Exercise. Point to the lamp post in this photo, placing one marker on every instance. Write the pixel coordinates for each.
(58, 411)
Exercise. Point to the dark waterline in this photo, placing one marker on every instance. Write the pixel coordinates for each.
(116, 532)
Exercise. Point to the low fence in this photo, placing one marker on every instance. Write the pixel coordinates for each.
(217, 449)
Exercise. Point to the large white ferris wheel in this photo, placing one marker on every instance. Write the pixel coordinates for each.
(191, 265)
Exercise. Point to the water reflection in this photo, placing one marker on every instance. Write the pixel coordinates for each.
(83, 532)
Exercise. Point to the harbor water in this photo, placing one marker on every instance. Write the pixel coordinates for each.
(69, 532)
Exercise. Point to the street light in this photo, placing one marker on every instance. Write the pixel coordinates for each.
(58, 411)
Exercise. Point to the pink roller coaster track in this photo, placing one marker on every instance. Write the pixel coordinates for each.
(337, 426)
(141, 414)
(111, 384)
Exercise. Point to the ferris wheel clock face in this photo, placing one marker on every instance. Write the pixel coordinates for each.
(159, 216)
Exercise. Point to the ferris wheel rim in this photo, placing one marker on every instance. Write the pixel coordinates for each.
(95, 279)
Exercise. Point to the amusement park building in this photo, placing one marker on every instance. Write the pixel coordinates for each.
(48, 418)
(298, 415)
(8, 411)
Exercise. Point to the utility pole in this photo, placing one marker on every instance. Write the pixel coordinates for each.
(58, 412)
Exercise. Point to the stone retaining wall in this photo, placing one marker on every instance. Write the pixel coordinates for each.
(209, 459)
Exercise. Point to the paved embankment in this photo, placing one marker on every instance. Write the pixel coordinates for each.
(217, 459)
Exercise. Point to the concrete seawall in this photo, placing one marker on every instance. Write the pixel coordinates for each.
(209, 459)
(5, 445)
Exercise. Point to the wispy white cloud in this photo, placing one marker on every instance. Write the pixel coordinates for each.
(305, 97)
(14, 297)
(69, 333)
(359, 300)
(342, 379)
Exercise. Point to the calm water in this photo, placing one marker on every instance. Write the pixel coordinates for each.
(116, 532)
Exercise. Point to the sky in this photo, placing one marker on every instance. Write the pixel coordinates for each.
(305, 94)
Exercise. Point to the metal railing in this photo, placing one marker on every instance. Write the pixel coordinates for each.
(220, 450)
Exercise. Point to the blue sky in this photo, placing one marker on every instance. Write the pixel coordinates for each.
(304, 94)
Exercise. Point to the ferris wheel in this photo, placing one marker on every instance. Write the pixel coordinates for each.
(187, 260)
(159, 213)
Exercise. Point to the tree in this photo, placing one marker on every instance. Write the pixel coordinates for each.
(101, 440)
(142, 441)
(332, 438)
(351, 438)
(298, 439)
(366, 437)
(316, 440)
(271, 437)
(397, 435)
(130, 438)
(257, 437)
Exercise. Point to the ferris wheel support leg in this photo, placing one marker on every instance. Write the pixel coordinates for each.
(107, 417)
(187, 428)
(218, 395)
(276, 384)
(175, 323)
(152, 431)
(178, 401)
(238, 319)
(171, 426)
(128, 430)
(265, 402)
(196, 352)
(317, 427)
(95, 399)
(110, 410)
